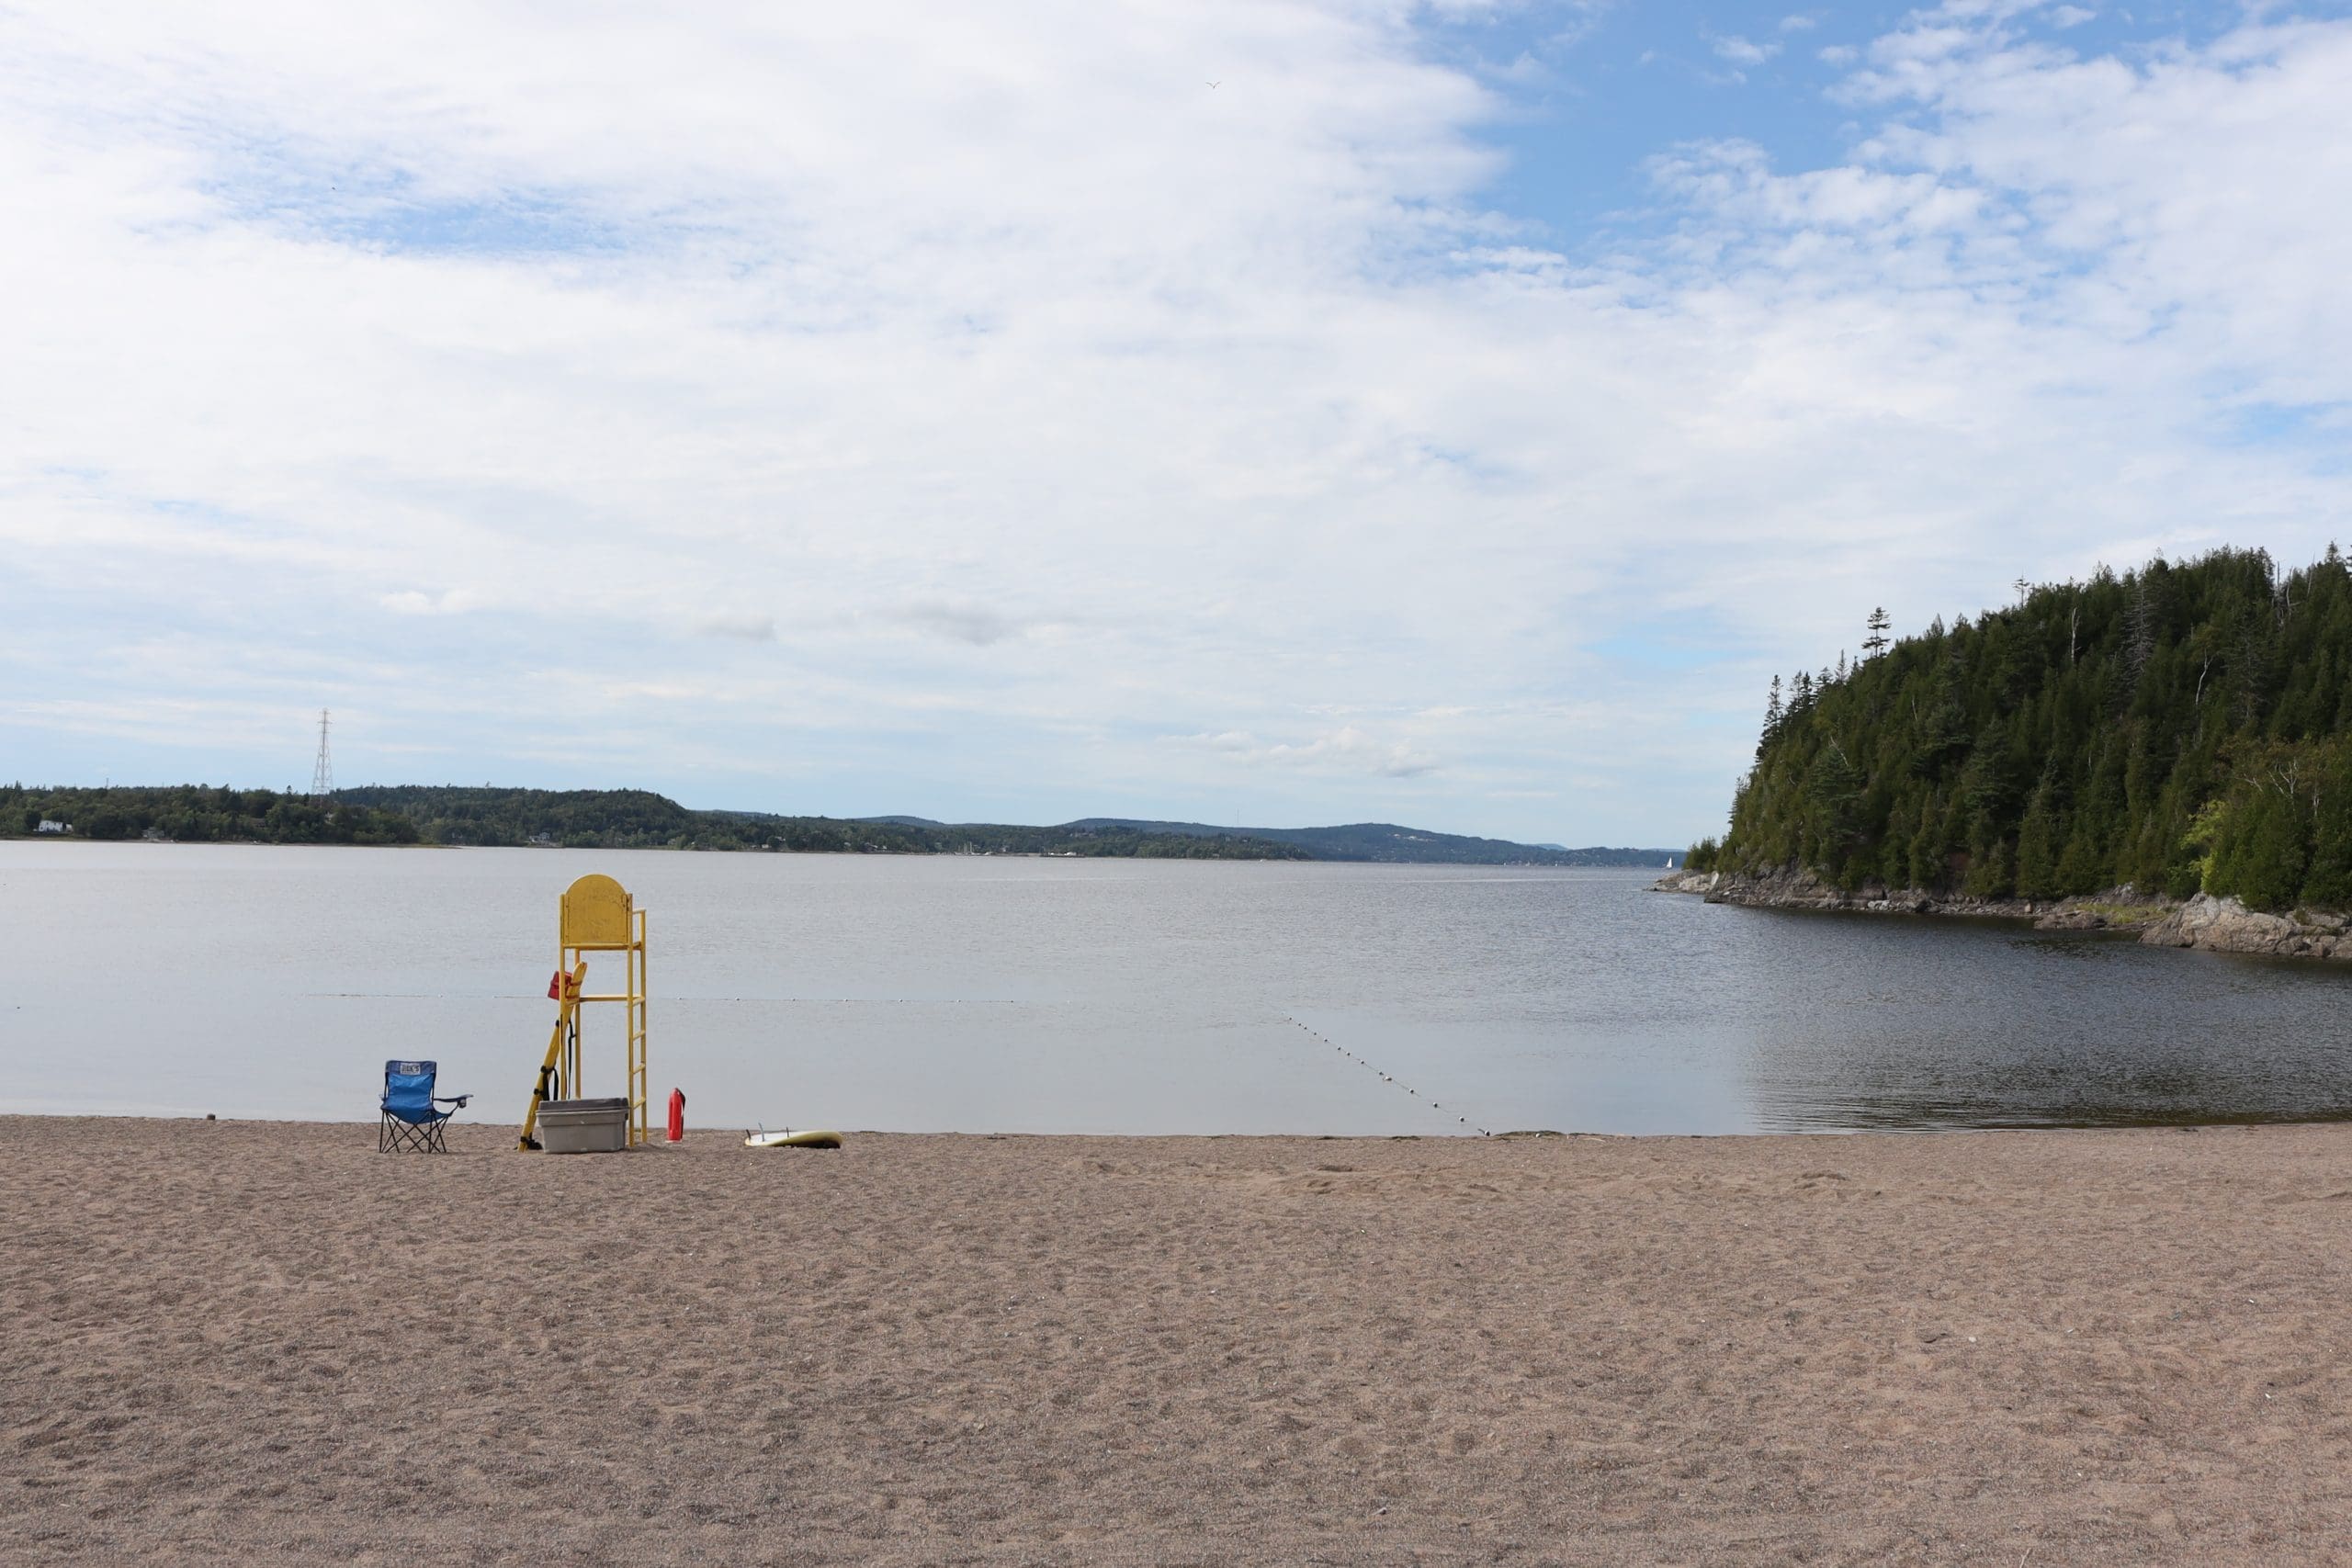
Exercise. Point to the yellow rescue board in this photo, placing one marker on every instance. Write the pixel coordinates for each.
(789, 1140)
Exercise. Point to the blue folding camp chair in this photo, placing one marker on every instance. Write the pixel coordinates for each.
(410, 1121)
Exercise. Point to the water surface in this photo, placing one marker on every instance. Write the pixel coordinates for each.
(992, 995)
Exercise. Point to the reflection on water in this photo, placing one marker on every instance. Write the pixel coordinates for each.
(1063, 996)
(1990, 1024)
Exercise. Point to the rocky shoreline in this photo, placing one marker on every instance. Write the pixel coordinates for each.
(2215, 925)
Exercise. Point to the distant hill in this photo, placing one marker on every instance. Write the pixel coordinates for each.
(624, 819)
(1386, 841)
(641, 820)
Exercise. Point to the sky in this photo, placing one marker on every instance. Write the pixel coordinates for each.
(1249, 410)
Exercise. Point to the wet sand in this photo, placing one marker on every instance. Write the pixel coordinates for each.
(266, 1343)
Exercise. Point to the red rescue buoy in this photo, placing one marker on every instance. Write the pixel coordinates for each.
(677, 1116)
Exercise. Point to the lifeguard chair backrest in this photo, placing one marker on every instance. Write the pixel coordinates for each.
(595, 913)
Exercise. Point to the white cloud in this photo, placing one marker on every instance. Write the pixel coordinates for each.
(1742, 52)
(842, 393)
(741, 628)
(1347, 750)
(980, 626)
(1576, 20)
(449, 602)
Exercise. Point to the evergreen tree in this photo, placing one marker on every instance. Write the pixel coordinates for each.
(1875, 644)
(2037, 845)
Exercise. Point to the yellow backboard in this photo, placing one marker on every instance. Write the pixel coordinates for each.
(597, 913)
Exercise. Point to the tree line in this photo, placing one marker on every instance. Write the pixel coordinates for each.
(604, 819)
(199, 814)
(2180, 729)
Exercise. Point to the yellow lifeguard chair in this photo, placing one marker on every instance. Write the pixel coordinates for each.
(596, 915)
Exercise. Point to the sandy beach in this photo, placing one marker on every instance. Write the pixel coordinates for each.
(266, 1343)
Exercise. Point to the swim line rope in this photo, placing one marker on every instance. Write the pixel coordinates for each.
(1385, 1078)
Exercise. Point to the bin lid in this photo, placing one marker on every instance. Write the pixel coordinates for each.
(616, 1103)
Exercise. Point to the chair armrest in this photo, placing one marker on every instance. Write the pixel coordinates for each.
(457, 1100)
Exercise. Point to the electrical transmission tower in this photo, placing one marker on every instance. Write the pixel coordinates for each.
(323, 773)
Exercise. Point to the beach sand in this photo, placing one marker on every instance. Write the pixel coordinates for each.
(266, 1343)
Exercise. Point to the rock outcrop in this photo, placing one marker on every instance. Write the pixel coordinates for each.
(1803, 890)
(2120, 908)
(2216, 925)
(2226, 925)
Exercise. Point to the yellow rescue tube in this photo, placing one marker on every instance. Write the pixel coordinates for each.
(790, 1140)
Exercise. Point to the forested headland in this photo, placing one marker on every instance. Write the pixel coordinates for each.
(2185, 728)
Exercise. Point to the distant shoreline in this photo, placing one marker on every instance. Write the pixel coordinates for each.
(832, 853)
(491, 816)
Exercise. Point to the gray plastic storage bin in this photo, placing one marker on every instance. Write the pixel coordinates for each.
(583, 1126)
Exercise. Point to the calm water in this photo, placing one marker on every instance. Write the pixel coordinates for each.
(1101, 995)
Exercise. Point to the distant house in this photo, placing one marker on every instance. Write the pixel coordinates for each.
(49, 827)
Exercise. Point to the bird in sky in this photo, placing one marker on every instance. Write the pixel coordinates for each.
(1212, 84)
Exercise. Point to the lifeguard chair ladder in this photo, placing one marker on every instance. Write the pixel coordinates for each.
(594, 915)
